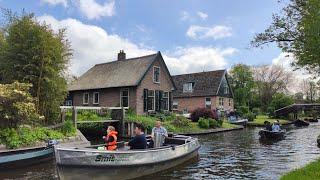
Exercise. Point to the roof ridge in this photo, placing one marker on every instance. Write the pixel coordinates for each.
(198, 72)
(134, 58)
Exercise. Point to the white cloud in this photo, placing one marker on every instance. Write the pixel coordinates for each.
(202, 15)
(93, 10)
(184, 16)
(56, 2)
(202, 32)
(92, 45)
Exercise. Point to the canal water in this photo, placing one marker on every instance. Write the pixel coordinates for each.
(229, 155)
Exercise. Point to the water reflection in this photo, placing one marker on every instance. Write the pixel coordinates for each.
(230, 155)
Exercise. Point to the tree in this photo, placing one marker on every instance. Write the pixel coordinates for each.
(241, 78)
(37, 55)
(296, 30)
(269, 81)
(279, 100)
(310, 90)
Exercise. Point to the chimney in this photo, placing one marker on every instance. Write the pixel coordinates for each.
(121, 55)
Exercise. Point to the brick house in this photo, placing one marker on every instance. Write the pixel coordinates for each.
(202, 90)
(142, 83)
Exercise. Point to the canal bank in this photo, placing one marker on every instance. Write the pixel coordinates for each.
(227, 155)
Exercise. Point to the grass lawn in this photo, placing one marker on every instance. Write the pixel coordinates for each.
(311, 171)
(261, 118)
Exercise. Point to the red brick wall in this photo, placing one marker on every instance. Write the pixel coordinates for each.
(147, 83)
(108, 97)
(192, 103)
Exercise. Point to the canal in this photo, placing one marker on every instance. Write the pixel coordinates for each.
(229, 155)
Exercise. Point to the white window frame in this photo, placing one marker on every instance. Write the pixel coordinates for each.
(188, 89)
(175, 103)
(69, 103)
(83, 98)
(226, 89)
(205, 102)
(156, 67)
(221, 99)
(93, 100)
(154, 101)
(167, 100)
(126, 89)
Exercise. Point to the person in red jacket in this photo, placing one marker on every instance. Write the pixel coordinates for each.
(111, 139)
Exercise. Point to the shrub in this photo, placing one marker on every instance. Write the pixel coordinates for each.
(242, 110)
(181, 121)
(250, 116)
(68, 128)
(256, 111)
(201, 113)
(203, 123)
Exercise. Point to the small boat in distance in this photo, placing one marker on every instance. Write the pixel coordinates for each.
(270, 135)
(301, 123)
(90, 163)
(238, 121)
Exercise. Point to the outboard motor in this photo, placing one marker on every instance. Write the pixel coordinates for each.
(52, 142)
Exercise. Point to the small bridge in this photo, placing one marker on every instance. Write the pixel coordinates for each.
(117, 116)
(295, 108)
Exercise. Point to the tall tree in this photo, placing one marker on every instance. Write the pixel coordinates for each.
(36, 54)
(270, 80)
(242, 83)
(296, 30)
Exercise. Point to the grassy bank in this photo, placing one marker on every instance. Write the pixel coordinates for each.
(260, 119)
(172, 124)
(310, 171)
(26, 136)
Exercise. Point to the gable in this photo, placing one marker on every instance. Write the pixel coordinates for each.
(224, 84)
(205, 83)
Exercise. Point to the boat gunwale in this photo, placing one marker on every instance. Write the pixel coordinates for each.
(85, 149)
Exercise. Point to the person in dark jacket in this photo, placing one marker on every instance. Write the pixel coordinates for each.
(139, 141)
(267, 125)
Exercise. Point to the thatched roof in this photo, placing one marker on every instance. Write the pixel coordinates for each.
(120, 73)
(205, 83)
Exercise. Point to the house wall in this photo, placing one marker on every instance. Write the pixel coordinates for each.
(109, 97)
(192, 103)
(147, 83)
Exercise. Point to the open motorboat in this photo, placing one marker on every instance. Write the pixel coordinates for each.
(237, 121)
(90, 163)
(270, 135)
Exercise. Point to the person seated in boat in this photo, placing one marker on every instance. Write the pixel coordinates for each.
(111, 139)
(139, 141)
(276, 126)
(159, 129)
(267, 126)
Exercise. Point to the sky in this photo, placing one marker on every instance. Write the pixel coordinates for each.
(193, 35)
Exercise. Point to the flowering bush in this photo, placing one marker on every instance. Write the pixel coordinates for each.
(17, 105)
(204, 113)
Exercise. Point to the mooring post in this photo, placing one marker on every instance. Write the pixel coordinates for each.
(122, 124)
(74, 116)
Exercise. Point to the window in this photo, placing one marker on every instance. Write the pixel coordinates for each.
(175, 105)
(165, 100)
(69, 103)
(96, 98)
(230, 102)
(220, 101)
(226, 88)
(124, 98)
(151, 100)
(188, 87)
(85, 99)
(208, 102)
(156, 74)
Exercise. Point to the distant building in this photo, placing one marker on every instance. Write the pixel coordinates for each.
(202, 90)
(142, 83)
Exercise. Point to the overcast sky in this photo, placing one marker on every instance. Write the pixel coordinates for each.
(194, 35)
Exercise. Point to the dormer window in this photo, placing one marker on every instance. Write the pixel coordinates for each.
(156, 74)
(188, 87)
(226, 89)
